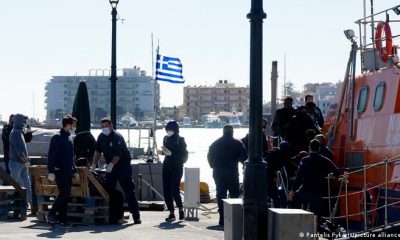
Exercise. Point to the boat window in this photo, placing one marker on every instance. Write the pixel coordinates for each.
(362, 99)
(379, 95)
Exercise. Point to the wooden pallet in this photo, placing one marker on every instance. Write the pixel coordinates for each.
(82, 207)
(12, 198)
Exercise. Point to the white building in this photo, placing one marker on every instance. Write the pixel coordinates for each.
(135, 94)
(325, 93)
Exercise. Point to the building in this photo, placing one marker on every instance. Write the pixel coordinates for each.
(323, 93)
(135, 95)
(222, 97)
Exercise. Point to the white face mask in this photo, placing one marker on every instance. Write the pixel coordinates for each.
(170, 133)
(73, 130)
(106, 131)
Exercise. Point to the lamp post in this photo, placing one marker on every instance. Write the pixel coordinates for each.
(113, 77)
(255, 175)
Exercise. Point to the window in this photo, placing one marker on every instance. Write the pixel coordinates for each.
(379, 96)
(362, 99)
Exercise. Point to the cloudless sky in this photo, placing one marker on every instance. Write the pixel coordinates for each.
(44, 38)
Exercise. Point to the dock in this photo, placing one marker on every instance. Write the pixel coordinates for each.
(153, 227)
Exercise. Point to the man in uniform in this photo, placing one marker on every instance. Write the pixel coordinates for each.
(224, 156)
(112, 145)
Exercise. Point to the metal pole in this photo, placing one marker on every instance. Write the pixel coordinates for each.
(386, 192)
(365, 198)
(255, 180)
(347, 203)
(329, 197)
(113, 77)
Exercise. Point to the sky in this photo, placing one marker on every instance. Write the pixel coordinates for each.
(45, 38)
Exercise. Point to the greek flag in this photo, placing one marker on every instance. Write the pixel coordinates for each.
(169, 69)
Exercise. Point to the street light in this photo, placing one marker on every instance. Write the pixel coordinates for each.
(113, 76)
(255, 179)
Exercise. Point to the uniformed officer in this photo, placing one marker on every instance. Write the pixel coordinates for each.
(112, 145)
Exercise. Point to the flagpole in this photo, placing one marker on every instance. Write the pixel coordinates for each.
(155, 100)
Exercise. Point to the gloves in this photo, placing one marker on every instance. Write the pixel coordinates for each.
(27, 164)
(76, 176)
(51, 177)
(109, 167)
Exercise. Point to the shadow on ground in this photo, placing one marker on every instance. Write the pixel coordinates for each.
(170, 225)
(216, 228)
(58, 232)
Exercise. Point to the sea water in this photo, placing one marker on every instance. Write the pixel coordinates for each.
(198, 141)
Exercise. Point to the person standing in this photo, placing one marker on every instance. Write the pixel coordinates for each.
(224, 156)
(19, 160)
(118, 158)
(5, 136)
(282, 118)
(174, 149)
(61, 169)
(317, 114)
(310, 184)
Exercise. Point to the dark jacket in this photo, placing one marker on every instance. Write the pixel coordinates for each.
(312, 174)
(5, 136)
(225, 153)
(280, 123)
(319, 117)
(61, 153)
(177, 145)
(112, 146)
(297, 134)
(245, 142)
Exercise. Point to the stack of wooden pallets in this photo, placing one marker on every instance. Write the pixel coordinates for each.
(83, 208)
(12, 198)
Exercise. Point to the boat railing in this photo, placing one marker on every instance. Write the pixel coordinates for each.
(369, 58)
(370, 204)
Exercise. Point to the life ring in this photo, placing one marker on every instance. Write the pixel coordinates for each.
(383, 52)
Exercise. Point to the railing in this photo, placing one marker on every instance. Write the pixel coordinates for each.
(367, 188)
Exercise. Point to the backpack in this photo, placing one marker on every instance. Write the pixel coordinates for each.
(185, 154)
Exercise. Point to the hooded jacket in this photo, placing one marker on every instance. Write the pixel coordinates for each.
(18, 148)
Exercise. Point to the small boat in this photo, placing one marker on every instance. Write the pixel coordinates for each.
(211, 121)
(186, 122)
(128, 120)
(234, 121)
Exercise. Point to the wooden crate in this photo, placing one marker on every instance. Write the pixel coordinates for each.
(82, 207)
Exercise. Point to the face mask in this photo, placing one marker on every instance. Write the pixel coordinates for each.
(73, 130)
(170, 133)
(105, 131)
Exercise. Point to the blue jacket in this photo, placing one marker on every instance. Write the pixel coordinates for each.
(17, 142)
(61, 153)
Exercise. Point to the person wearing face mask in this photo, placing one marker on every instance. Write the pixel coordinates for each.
(5, 136)
(174, 149)
(19, 159)
(118, 158)
(61, 169)
(224, 156)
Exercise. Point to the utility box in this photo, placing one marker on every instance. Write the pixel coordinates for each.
(288, 224)
(233, 219)
(192, 188)
(192, 193)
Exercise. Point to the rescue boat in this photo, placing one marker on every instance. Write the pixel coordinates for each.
(363, 129)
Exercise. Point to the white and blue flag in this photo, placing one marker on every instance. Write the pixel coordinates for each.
(169, 69)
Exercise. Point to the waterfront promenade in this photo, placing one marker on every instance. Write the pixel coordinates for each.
(152, 227)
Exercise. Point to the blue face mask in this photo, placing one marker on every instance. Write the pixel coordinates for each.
(106, 131)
